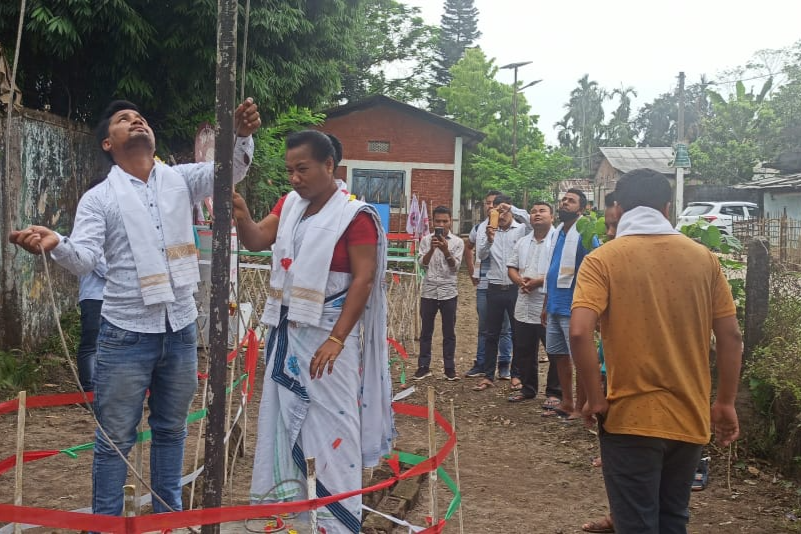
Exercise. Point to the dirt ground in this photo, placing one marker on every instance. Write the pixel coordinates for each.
(519, 473)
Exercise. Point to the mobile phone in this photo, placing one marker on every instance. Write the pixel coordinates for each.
(494, 215)
(438, 232)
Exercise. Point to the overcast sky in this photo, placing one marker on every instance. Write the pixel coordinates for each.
(639, 43)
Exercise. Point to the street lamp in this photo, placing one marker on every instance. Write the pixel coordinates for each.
(515, 66)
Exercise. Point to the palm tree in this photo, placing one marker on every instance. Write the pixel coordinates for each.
(585, 119)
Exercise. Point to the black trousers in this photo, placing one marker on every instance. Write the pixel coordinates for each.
(552, 386)
(428, 312)
(648, 481)
(501, 299)
(527, 341)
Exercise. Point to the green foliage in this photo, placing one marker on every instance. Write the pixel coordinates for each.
(391, 35)
(586, 226)
(740, 133)
(21, 371)
(656, 122)
(600, 229)
(267, 181)
(476, 99)
(774, 369)
(710, 236)
(77, 55)
(18, 372)
(71, 326)
(458, 31)
(582, 127)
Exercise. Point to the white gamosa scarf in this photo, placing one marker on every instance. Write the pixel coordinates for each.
(156, 279)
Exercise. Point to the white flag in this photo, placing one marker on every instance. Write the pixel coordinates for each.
(413, 219)
(423, 229)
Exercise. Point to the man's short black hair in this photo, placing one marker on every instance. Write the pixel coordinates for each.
(492, 192)
(579, 193)
(610, 199)
(543, 203)
(101, 131)
(500, 198)
(643, 187)
(442, 209)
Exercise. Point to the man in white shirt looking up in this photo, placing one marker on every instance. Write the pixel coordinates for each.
(440, 255)
(496, 247)
(527, 267)
(140, 218)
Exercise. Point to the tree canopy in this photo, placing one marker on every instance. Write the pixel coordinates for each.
(476, 99)
(458, 32)
(76, 55)
(394, 53)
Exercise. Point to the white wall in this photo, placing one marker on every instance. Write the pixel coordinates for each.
(776, 203)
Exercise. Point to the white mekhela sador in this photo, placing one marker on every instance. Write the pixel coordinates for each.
(343, 420)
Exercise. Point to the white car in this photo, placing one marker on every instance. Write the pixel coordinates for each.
(721, 214)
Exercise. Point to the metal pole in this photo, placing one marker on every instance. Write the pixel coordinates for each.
(514, 121)
(214, 457)
(680, 139)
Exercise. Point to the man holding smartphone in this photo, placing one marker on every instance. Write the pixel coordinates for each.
(440, 256)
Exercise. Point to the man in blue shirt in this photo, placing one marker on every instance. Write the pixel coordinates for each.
(566, 256)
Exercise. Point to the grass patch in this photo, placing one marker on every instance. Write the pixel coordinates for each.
(28, 371)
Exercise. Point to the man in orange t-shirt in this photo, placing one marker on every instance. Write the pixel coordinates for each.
(659, 296)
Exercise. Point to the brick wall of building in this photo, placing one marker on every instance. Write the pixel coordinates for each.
(435, 187)
(410, 138)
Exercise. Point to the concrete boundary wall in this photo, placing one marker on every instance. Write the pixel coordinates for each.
(52, 161)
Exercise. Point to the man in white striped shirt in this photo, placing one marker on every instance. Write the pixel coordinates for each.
(140, 346)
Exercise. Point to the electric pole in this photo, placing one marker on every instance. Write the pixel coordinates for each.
(214, 456)
(680, 141)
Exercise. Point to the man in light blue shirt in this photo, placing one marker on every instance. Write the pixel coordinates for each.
(140, 346)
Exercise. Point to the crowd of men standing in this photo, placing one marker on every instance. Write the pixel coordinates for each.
(635, 317)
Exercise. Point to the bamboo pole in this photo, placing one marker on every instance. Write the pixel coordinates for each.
(311, 491)
(138, 463)
(456, 467)
(129, 504)
(432, 450)
(200, 423)
(23, 396)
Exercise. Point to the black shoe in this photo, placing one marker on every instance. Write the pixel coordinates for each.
(451, 375)
(422, 372)
(475, 372)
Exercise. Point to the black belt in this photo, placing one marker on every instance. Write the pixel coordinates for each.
(502, 287)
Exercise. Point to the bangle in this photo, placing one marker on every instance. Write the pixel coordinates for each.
(337, 341)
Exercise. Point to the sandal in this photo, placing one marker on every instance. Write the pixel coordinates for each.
(518, 396)
(605, 525)
(701, 480)
(483, 386)
(551, 403)
(517, 385)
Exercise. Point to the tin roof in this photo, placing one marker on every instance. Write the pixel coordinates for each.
(629, 158)
(779, 181)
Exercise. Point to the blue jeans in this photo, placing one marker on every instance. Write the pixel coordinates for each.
(128, 364)
(90, 326)
(505, 342)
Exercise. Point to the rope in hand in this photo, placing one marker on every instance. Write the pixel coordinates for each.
(74, 370)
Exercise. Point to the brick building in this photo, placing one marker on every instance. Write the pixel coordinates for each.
(393, 150)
